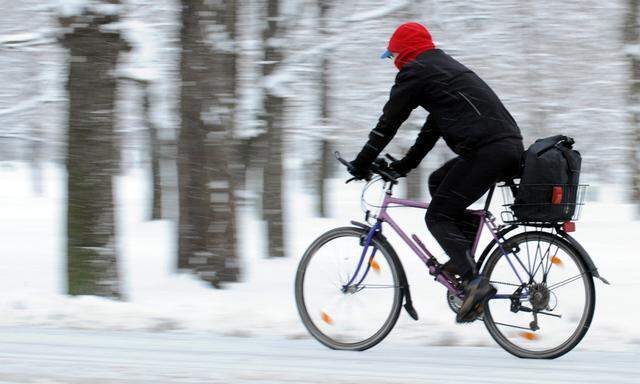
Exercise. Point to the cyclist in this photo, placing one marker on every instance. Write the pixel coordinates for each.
(473, 122)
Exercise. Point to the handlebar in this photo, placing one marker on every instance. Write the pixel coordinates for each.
(379, 166)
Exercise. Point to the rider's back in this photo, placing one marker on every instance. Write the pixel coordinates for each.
(466, 110)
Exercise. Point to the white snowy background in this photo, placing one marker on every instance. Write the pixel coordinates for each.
(558, 66)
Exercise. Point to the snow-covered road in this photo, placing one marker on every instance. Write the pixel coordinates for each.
(37, 355)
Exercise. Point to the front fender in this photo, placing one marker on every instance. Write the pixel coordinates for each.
(408, 304)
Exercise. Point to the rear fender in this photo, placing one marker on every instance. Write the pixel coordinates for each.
(584, 254)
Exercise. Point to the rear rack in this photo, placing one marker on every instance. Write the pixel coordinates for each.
(544, 205)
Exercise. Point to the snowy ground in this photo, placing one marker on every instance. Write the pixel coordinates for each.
(31, 277)
(52, 356)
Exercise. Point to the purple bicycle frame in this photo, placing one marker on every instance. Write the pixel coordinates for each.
(421, 251)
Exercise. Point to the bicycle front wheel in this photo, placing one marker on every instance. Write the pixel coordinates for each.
(547, 314)
(345, 307)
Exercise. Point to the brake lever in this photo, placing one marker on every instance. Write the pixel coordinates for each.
(340, 159)
(390, 178)
(350, 180)
(388, 156)
(387, 176)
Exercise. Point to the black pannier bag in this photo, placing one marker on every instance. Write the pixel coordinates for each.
(549, 183)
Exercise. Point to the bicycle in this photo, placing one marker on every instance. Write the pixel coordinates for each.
(349, 298)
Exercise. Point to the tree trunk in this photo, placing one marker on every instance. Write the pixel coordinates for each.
(533, 48)
(91, 156)
(325, 148)
(206, 229)
(37, 147)
(154, 155)
(324, 174)
(632, 39)
(219, 144)
(273, 116)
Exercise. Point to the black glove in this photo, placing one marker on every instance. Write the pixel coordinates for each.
(400, 167)
(358, 171)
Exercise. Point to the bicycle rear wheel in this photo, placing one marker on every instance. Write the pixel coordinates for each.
(353, 317)
(550, 313)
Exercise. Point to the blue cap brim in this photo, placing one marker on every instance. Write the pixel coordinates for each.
(387, 54)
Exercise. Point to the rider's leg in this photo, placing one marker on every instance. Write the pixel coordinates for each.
(467, 222)
(465, 182)
(461, 182)
(442, 220)
(436, 177)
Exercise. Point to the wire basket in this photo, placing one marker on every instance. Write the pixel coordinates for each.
(542, 203)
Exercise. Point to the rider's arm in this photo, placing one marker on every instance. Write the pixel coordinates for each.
(401, 102)
(427, 138)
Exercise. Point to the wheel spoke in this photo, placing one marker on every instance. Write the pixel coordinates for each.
(565, 282)
(511, 325)
(551, 256)
(380, 286)
(503, 283)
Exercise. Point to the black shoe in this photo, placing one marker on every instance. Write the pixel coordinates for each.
(476, 293)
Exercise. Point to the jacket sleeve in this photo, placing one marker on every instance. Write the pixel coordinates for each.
(401, 102)
(427, 138)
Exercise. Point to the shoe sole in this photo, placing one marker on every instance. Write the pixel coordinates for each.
(473, 313)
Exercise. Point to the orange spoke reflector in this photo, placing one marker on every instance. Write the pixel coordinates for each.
(326, 318)
(529, 335)
(556, 260)
(375, 265)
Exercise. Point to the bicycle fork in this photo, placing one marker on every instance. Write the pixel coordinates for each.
(376, 227)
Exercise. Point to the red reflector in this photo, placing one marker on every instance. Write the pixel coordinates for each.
(556, 195)
(569, 226)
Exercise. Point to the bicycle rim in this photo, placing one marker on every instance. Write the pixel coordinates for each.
(564, 301)
(361, 317)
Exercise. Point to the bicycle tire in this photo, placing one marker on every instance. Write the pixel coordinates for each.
(392, 259)
(588, 311)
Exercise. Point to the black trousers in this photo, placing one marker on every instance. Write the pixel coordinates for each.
(458, 184)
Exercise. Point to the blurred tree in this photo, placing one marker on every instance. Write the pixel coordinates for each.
(272, 142)
(154, 146)
(154, 153)
(220, 141)
(325, 146)
(91, 153)
(206, 230)
(37, 156)
(632, 40)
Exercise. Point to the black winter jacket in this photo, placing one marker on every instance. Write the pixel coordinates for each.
(463, 110)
